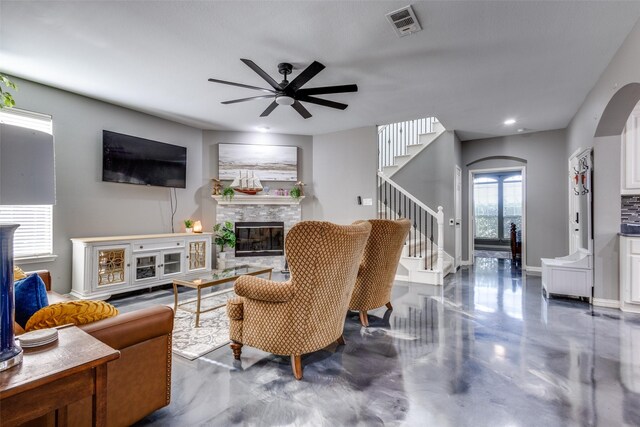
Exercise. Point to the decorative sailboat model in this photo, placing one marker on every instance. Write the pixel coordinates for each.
(247, 182)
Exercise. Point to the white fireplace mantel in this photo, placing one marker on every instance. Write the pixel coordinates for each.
(258, 199)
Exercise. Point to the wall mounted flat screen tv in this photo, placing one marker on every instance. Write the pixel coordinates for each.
(132, 160)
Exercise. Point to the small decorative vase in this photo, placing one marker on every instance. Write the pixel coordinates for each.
(10, 353)
(188, 230)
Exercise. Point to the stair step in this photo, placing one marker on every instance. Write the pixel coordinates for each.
(390, 170)
(414, 149)
(419, 274)
(402, 159)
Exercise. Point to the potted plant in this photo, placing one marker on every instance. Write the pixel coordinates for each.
(224, 235)
(295, 192)
(6, 99)
(188, 225)
(227, 193)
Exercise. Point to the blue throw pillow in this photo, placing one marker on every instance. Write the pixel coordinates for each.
(30, 295)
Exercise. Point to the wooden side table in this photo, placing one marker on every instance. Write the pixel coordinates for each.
(56, 375)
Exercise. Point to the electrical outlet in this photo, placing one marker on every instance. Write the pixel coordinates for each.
(367, 202)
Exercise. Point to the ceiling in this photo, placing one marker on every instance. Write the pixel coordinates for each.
(474, 65)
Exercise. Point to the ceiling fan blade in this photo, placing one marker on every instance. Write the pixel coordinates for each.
(274, 84)
(241, 85)
(323, 102)
(301, 110)
(328, 89)
(308, 73)
(269, 109)
(234, 101)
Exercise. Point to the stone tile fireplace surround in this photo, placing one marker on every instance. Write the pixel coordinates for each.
(290, 214)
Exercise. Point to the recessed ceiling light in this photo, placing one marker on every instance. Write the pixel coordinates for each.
(509, 121)
(263, 129)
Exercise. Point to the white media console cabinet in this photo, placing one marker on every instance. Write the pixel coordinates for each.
(104, 266)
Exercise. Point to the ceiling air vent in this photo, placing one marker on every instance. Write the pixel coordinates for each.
(404, 21)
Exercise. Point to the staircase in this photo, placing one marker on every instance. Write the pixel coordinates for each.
(423, 256)
(399, 143)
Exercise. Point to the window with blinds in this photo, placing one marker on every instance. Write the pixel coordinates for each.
(27, 119)
(34, 237)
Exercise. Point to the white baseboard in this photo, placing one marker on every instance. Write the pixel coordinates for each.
(609, 303)
(530, 269)
(402, 278)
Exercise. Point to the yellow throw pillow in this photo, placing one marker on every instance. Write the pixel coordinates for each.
(18, 274)
(17, 329)
(76, 312)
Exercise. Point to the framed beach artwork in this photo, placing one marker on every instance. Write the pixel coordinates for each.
(269, 162)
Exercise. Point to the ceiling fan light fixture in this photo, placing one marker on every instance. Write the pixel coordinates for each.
(291, 93)
(284, 100)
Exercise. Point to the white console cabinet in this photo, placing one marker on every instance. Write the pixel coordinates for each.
(104, 266)
(630, 274)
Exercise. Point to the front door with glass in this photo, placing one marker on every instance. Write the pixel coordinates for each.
(497, 201)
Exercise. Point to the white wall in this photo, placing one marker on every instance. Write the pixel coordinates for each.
(86, 206)
(344, 167)
(211, 139)
(623, 69)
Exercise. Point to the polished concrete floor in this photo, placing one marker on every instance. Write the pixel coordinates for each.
(487, 349)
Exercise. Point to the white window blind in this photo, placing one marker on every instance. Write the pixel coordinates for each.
(34, 237)
(27, 119)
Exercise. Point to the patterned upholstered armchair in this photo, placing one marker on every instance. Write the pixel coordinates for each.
(306, 313)
(378, 268)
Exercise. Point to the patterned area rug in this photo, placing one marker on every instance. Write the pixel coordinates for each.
(191, 342)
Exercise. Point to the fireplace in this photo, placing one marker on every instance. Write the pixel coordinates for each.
(259, 239)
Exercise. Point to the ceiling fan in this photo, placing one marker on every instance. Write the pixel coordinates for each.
(289, 92)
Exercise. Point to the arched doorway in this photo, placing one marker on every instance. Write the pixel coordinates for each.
(615, 115)
(607, 189)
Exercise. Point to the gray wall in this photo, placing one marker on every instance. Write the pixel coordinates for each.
(623, 69)
(86, 206)
(606, 214)
(430, 177)
(344, 167)
(212, 138)
(544, 155)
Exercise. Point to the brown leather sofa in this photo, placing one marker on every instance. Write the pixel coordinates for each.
(139, 382)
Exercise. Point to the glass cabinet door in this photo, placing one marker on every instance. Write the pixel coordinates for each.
(172, 263)
(112, 266)
(197, 255)
(146, 266)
